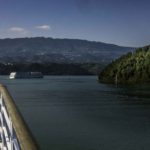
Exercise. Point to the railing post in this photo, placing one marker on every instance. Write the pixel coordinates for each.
(1, 119)
(15, 134)
(11, 134)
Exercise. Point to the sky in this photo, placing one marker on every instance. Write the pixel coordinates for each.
(121, 22)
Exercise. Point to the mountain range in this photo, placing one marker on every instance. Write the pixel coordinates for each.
(43, 50)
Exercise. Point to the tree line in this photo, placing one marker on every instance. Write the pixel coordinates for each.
(134, 67)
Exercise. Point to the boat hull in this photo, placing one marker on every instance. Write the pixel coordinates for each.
(25, 75)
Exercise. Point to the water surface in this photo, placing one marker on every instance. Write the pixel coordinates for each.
(78, 113)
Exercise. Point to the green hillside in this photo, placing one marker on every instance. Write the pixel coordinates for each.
(129, 69)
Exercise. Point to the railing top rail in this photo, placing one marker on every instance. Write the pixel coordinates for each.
(23, 134)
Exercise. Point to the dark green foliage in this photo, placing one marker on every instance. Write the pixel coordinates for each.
(51, 68)
(130, 68)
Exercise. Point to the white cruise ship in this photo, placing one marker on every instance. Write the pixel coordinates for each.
(25, 75)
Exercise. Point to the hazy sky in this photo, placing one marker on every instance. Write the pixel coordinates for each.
(122, 22)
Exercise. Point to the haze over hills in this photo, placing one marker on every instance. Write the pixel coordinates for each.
(43, 50)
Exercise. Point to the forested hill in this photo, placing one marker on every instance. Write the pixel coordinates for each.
(130, 68)
(40, 50)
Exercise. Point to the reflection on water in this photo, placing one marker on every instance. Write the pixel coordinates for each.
(78, 113)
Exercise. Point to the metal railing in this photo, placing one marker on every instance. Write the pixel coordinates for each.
(14, 133)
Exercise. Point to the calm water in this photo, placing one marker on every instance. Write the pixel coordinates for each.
(78, 113)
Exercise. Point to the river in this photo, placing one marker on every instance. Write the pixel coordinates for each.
(78, 113)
